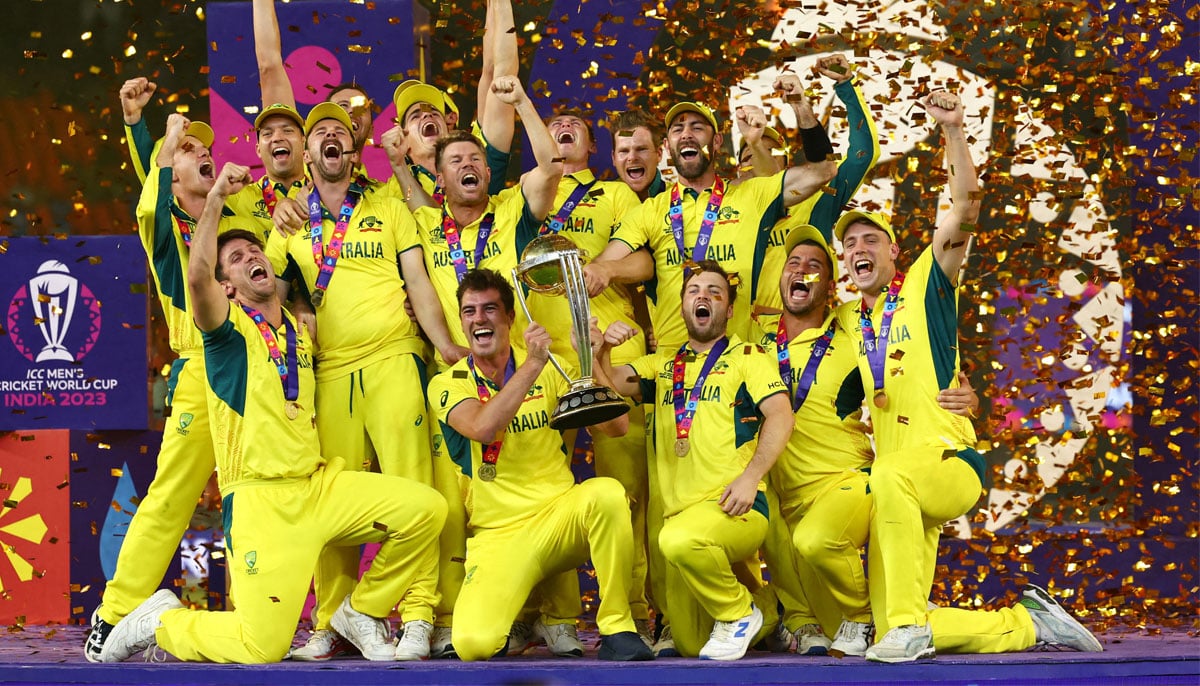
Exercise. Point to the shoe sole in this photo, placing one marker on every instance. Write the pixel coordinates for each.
(1059, 613)
(165, 598)
(926, 654)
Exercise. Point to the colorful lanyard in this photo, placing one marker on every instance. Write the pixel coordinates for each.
(184, 230)
(876, 345)
(454, 241)
(491, 451)
(685, 413)
(268, 193)
(559, 220)
(289, 375)
(439, 193)
(700, 249)
(326, 257)
(809, 375)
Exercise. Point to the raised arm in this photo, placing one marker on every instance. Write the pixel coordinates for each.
(268, 49)
(954, 229)
(482, 422)
(135, 95)
(623, 379)
(751, 123)
(426, 305)
(541, 183)
(497, 118)
(395, 144)
(802, 180)
(210, 306)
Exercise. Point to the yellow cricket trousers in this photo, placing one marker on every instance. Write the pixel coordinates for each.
(915, 492)
(504, 565)
(185, 464)
(624, 459)
(377, 413)
(701, 546)
(276, 531)
(1007, 630)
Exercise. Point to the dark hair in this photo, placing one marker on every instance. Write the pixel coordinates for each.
(347, 85)
(452, 137)
(710, 266)
(822, 248)
(235, 234)
(579, 114)
(480, 280)
(625, 122)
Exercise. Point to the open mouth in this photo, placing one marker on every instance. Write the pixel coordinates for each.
(702, 312)
(281, 152)
(689, 153)
(483, 334)
(799, 287)
(331, 151)
(258, 273)
(635, 173)
(863, 267)
(565, 138)
(206, 170)
(470, 180)
(429, 129)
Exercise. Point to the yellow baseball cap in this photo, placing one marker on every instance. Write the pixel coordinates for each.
(854, 216)
(278, 109)
(702, 110)
(412, 92)
(327, 110)
(201, 132)
(808, 232)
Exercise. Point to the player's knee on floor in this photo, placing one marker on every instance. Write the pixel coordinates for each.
(266, 645)
(473, 644)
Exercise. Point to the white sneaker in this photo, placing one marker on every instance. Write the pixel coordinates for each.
(322, 645)
(811, 640)
(135, 633)
(520, 637)
(903, 644)
(371, 635)
(665, 645)
(780, 640)
(853, 638)
(1055, 627)
(561, 639)
(439, 645)
(93, 648)
(414, 641)
(731, 640)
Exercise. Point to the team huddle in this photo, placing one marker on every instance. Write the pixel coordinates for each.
(358, 371)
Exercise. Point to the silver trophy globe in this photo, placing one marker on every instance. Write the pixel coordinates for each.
(553, 265)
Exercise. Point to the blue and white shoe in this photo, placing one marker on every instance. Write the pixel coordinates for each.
(731, 640)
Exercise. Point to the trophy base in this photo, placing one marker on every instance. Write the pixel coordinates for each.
(587, 406)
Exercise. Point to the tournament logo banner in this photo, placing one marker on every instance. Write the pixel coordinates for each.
(74, 330)
(324, 44)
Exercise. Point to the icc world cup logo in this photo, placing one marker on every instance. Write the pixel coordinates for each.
(42, 316)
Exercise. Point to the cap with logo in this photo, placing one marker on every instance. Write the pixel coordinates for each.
(327, 110)
(700, 109)
(854, 216)
(201, 132)
(278, 109)
(412, 92)
(808, 232)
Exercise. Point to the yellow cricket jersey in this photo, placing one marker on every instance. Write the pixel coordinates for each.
(158, 218)
(823, 209)
(921, 360)
(590, 226)
(724, 433)
(497, 162)
(829, 436)
(250, 203)
(141, 147)
(362, 318)
(512, 228)
(253, 438)
(534, 465)
(738, 243)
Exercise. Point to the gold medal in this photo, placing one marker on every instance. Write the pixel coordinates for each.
(318, 296)
(292, 409)
(682, 446)
(487, 472)
(880, 399)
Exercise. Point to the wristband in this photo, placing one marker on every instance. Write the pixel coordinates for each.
(815, 141)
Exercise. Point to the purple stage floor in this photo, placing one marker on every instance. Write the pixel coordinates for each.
(53, 655)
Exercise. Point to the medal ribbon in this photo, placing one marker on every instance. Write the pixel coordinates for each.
(454, 241)
(491, 451)
(685, 413)
(876, 346)
(809, 375)
(675, 213)
(559, 220)
(289, 375)
(326, 257)
(184, 230)
(268, 193)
